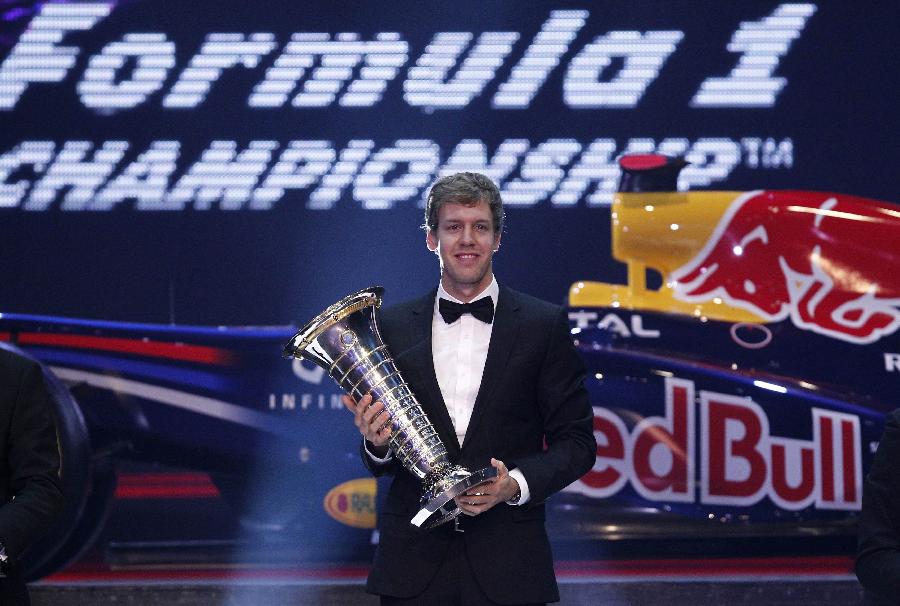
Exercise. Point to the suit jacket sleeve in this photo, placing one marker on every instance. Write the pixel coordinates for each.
(567, 417)
(878, 555)
(31, 461)
(376, 468)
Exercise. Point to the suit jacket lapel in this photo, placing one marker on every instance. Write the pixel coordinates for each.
(422, 360)
(503, 338)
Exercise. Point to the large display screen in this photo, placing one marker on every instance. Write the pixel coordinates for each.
(251, 162)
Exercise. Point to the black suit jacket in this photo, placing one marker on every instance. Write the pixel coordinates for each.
(878, 556)
(531, 391)
(29, 455)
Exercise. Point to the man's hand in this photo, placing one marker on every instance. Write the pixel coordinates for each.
(482, 497)
(372, 420)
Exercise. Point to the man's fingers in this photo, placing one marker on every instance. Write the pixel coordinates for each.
(466, 507)
(482, 497)
(485, 488)
(375, 415)
(372, 420)
(502, 471)
(383, 431)
(368, 413)
(349, 402)
(357, 408)
(363, 403)
(375, 421)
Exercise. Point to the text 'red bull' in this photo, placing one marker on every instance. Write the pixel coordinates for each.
(740, 461)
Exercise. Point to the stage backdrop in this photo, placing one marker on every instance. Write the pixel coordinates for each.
(251, 162)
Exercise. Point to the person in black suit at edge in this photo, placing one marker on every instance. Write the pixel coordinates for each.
(499, 377)
(878, 553)
(30, 494)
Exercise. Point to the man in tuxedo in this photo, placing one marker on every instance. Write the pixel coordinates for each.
(498, 376)
(878, 555)
(30, 494)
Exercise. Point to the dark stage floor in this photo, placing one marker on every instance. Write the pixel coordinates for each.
(761, 581)
(201, 555)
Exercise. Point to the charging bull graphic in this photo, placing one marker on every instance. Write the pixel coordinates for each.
(822, 259)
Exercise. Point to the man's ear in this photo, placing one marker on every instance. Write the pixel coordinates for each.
(431, 241)
(497, 242)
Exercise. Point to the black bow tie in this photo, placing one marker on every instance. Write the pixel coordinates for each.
(482, 309)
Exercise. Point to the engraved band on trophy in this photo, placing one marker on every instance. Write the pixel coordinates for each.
(345, 341)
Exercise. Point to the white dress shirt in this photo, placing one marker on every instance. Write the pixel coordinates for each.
(459, 351)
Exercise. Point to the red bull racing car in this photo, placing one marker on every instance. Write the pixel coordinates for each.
(744, 392)
(739, 380)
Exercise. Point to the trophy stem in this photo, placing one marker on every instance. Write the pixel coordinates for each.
(441, 487)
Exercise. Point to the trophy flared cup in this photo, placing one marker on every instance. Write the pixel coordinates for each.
(345, 341)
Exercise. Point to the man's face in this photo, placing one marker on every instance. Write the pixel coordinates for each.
(465, 241)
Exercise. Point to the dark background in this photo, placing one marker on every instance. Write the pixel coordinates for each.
(285, 264)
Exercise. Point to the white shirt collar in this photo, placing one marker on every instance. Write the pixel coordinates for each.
(492, 290)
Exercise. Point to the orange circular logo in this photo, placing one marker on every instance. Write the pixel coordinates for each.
(352, 503)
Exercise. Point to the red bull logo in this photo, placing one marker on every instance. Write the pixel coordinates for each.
(826, 261)
(740, 461)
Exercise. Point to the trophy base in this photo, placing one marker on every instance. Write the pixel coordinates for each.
(441, 508)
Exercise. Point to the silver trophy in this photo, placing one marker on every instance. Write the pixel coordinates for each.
(345, 341)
